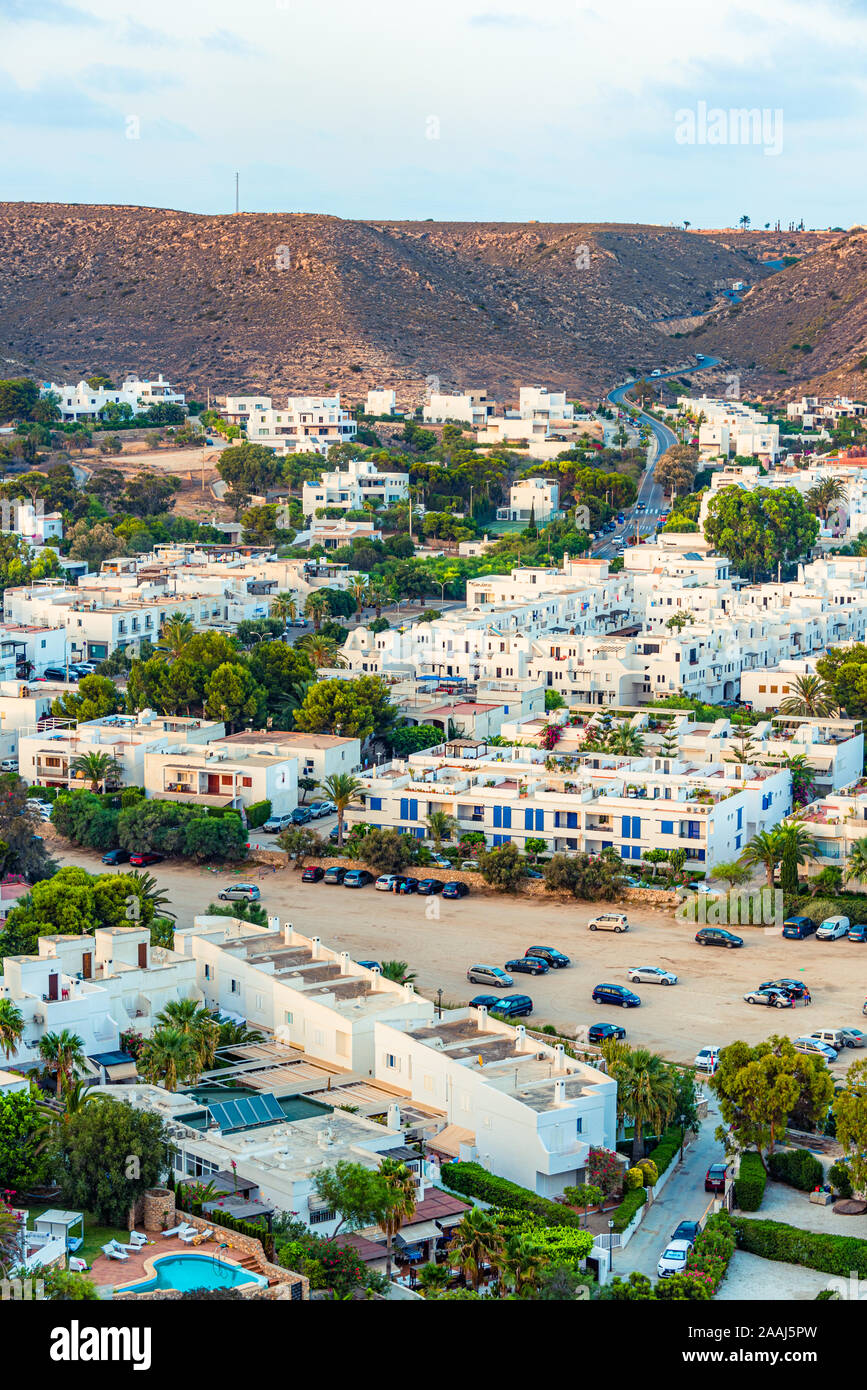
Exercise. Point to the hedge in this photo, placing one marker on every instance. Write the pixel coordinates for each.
(798, 1168)
(851, 905)
(623, 1214)
(473, 1180)
(258, 813)
(774, 1240)
(225, 1218)
(667, 1149)
(750, 1182)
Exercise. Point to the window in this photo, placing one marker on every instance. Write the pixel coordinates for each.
(288, 1017)
(579, 1124)
(259, 1001)
(668, 827)
(246, 781)
(376, 803)
(391, 1061)
(319, 1215)
(235, 987)
(207, 971)
(428, 1083)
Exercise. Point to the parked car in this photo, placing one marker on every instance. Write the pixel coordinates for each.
(853, 1037)
(796, 928)
(335, 873)
(300, 816)
(650, 975)
(370, 964)
(609, 921)
(455, 890)
(84, 668)
(149, 857)
(556, 959)
(485, 1001)
(833, 928)
(40, 808)
(469, 866)
(274, 824)
(615, 994)
(703, 889)
(811, 1047)
(357, 878)
(715, 1178)
(514, 1005)
(796, 989)
(489, 975)
(405, 883)
(9, 765)
(385, 883)
(673, 1258)
(831, 1037)
(686, 1230)
(441, 861)
(116, 856)
(427, 887)
(716, 936)
(528, 965)
(773, 998)
(58, 673)
(601, 1032)
(318, 809)
(313, 873)
(238, 892)
(707, 1058)
(858, 931)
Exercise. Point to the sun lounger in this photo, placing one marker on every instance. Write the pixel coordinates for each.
(138, 1238)
(76, 1265)
(114, 1251)
(178, 1230)
(199, 1238)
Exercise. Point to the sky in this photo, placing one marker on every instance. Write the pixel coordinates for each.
(465, 110)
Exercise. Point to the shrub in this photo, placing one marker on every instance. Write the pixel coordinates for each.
(131, 796)
(840, 1178)
(667, 1150)
(650, 1172)
(714, 1246)
(798, 1168)
(603, 1170)
(774, 1240)
(750, 1182)
(258, 813)
(634, 1178)
(475, 1181)
(629, 1206)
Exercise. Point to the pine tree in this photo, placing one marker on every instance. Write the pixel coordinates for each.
(789, 867)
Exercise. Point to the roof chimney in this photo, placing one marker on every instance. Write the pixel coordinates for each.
(559, 1092)
(288, 933)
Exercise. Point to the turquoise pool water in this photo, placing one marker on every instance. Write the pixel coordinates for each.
(195, 1272)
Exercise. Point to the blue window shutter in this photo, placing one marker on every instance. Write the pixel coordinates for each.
(572, 820)
(740, 817)
(540, 820)
(668, 827)
(624, 826)
(498, 815)
(507, 817)
(624, 851)
(701, 854)
(507, 839)
(413, 809)
(636, 851)
(404, 808)
(636, 827)
(498, 840)
(556, 820)
(376, 803)
(528, 818)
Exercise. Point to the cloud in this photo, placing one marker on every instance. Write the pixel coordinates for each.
(224, 41)
(106, 78)
(142, 36)
(46, 12)
(499, 19)
(49, 107)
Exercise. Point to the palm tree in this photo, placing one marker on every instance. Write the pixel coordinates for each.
(378, 596)
(398, 970)
(764, 850)
(344, 790)
(197, 1024)
(11, 1027)
(289, 700)
(442, 826)
(522, 1262)
(176, 632)
(398, 1202)
(320, 651)
(625, 741)
(646, 1093)
(826, 496)
(234, 1034)
(63, 1055)
(150, 892)
(317, 608)
(169, 1056)
(284, 607)
(856, 867)
(361, 593)
(10, 1239)
(476, 1240)
(809, 697)
(96, 768)
(76, 1094)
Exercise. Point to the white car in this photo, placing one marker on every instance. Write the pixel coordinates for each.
(656, 372)
(833, 928)
(673, 1258)
(707, 1059)
(651, 975)
(385, 883)
(609, 921)
(41, 808)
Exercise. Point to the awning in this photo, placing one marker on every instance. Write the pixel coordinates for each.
(195, 798)
(124, 1071)
(414, 1235)
(450, 1139)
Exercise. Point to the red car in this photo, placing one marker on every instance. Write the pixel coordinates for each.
(150, 857)
(715, 1178)
(313, 873)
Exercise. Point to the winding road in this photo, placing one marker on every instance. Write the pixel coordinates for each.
(650, 502)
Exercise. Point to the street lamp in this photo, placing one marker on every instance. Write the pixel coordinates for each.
(440, 1010)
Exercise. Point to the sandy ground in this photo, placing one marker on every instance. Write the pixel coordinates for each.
(440, 939)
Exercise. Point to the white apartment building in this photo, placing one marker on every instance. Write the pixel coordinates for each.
(95, 986)
(381, 402)
(629, 804)
(32, 523)
(318, 755)
(224, 774)
(470, 408)
(536, 497)
(730, 427)
(306, 424)
(48, 749)
(765, 689)
(814, 411)
(84, 402)
(531, 1113)
(351, 487)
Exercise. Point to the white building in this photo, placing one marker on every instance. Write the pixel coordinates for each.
(351, 487)
(84, 402)
(470, 408)
(306, 424)
(381, 402)
(534, 497)
(47, 751)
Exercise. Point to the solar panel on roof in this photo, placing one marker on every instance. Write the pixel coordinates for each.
(246, 1112)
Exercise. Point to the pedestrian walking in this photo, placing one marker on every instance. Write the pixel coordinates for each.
(808, 999)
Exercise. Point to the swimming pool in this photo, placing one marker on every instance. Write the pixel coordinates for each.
(185, 1272)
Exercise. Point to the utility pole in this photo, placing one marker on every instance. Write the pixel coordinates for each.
(237, 203)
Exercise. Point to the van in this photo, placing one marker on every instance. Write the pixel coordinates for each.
(609, 921)
(833, 928)
(796, 928)
(831, 1037)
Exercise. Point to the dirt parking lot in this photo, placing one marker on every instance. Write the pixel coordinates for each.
(440, 939)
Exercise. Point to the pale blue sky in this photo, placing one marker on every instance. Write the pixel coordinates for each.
(461, 109)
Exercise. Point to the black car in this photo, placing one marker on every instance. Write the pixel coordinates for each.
(335, 874)
(313, 873)
(428, 886)
(301, 815)
(512, 1005)
(796, 989)
(455, 890)
(686, 1230)
(527, 965)
(555, 958)
(58, 673)
(716, 936)
(601, 1032)
(116, 856)
(615, 994)
(405, 883)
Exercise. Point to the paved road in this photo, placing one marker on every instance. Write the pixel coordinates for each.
(643, 518)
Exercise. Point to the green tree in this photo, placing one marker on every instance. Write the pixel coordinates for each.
(503, 868)
(759, 1087)
(97, 769)
(441, 826)
(214, 838)
(351, 1190)
(357, 708)
(414, 738)
(760, 529)
(63, 1055)
(534, 847)
(396, 1202)
(476, 1241)
(96, 697)
(844, 672)
(808, 697)
(345, 791)
(397, 970)
(11, 1027)
(645, 1092)
(732, 872)
(168, 1057)
(850, 1115)
(684, 1112)
(387, 851)
(553, 700)
(195, 1022)
(24, 1160)
(92, 1158)
(856, 864)
(300, 843)
(317, 608)
(175, 634)
(232, 696)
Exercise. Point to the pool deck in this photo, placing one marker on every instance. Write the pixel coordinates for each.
(116, 1274)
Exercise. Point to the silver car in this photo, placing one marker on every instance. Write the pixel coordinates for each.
(651, 975)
